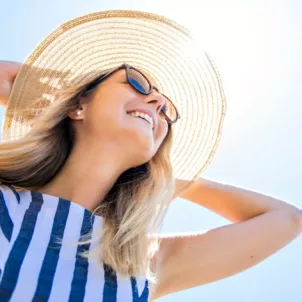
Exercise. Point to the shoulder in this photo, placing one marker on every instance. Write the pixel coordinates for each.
(8, 192)
(9, 203)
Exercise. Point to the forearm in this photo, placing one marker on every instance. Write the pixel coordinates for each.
(235, 204)
(8, 73)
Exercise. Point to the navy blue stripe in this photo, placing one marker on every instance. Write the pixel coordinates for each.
(6, 223)
(77, 292)
(110, 286)
(134, 289)
(144, 295)
(15, 192)
(19, 249)
(51, 257)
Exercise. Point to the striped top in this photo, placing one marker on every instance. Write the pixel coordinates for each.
(34, 267)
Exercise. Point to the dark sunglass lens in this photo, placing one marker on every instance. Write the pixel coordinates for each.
(138, 81)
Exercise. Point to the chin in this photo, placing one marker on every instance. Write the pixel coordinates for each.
(144, 157)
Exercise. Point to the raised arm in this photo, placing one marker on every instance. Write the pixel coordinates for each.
(263, 226)
(8, 73)
(234, 203)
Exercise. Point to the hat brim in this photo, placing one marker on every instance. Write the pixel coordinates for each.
(155, 44)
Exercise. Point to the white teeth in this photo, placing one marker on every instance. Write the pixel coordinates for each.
(143, 115)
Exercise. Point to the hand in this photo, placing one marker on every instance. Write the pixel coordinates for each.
(8, 73)
(37, 76)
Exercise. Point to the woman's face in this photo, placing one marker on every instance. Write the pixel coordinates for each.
(106, 119)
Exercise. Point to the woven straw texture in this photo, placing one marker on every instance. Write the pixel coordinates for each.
(84, 46)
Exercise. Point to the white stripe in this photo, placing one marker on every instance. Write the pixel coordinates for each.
(95, 278)
(64, 272)
(124, 289)
(4, 248)
(26, 199)
(26, 287)
(140, 285)
(10, 200)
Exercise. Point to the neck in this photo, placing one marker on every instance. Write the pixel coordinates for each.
(87, 176)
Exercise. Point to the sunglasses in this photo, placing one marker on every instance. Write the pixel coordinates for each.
(141, 84)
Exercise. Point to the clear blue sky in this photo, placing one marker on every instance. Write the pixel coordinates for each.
(257, 46)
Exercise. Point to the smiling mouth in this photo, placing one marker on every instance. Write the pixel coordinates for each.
(143, 120)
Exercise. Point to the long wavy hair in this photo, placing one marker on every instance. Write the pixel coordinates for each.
(133, 209)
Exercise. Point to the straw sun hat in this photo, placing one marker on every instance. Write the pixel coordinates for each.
(84, 46)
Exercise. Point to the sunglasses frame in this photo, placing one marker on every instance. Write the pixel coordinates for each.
(98, 80)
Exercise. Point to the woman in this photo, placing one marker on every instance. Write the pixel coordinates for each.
(87, 167)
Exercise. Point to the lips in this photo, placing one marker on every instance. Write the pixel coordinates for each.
(148, 112)
(143, 120)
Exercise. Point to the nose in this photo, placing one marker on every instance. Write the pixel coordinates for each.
(157, 100)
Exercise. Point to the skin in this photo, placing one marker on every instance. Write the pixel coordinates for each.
(262, 225)
(8, 73)
(103, 129)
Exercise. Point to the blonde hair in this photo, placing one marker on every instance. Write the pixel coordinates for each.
(132, 211)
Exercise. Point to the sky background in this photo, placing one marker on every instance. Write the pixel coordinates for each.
(257, 47)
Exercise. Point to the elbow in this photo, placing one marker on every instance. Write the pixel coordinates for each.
(294, 218)
(297, 217)
(291, 219)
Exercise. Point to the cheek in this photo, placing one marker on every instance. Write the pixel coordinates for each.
(109, 106)
(162, 133)
(98, 123)
(105, 113)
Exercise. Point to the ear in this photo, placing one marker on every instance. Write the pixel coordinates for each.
(77, 114)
